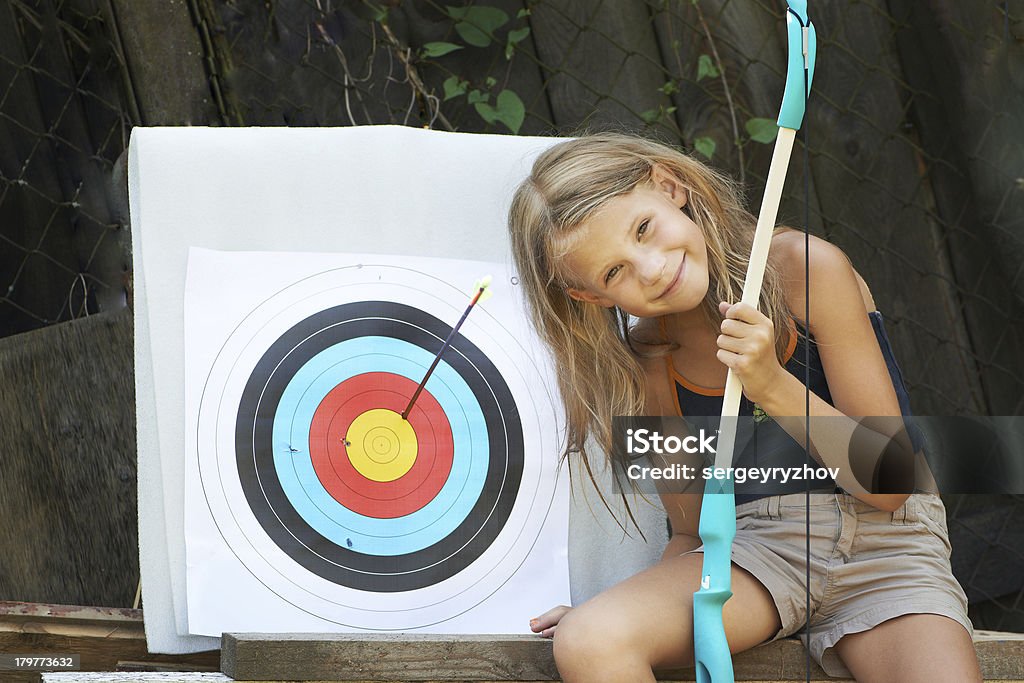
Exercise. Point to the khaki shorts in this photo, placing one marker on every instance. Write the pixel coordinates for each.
(867, 565)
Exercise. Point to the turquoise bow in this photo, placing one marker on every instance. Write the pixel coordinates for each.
(717, 529)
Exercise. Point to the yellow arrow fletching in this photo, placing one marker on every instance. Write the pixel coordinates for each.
(484, 284)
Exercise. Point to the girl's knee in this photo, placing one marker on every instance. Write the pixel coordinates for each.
(575, 641)
(593, 641)
(582, 642)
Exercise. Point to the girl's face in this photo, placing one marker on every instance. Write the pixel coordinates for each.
(642, 253)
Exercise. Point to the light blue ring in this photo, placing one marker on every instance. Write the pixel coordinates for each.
(398, 536)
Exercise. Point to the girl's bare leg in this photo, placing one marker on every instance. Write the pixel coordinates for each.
(646, 622)
(913, 648)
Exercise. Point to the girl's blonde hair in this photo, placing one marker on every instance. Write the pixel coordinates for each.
(599, 374)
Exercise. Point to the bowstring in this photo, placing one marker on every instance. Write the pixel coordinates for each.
(807, 378)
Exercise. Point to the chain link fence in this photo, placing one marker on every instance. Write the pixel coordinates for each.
(64, 121)
(913, 149)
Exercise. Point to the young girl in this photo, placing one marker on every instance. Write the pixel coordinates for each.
(630, 253)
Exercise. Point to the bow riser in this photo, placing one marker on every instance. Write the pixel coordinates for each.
(712, 657)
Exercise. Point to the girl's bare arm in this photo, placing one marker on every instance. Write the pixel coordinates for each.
(865, 424)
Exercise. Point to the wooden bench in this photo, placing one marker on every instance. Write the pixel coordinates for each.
(113, 640)
(508, 658)
(443, 659)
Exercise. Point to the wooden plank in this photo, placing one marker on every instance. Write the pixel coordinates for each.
(601, 63)
(182, 677)
(34, 617)
(164, 55)
(67, 490)
(198, 678)
(444, 657)
(190, 678)
(383, 657)
(102, 636)
(1001, 656)
(389, 657)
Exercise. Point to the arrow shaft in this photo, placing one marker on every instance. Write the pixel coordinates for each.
(437, 358)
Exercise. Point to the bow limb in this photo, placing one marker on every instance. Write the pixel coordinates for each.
(717, 528)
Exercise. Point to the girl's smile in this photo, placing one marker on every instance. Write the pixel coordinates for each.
(674, 285)
(642, 252)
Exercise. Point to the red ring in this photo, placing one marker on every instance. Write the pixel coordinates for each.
(391, 499)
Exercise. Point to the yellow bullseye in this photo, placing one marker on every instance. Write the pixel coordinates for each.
(382, 446)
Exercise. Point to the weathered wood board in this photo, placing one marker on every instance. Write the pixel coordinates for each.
(102, 637)
(506, 658)
(67, 477)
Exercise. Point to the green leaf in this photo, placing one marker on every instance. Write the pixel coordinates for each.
(669, 88)
(477, 96)
(491, 81)
(453, 87)
(439, 49)
(380, 14)
(514, 37)
(705, 146)
(762, 130)
(706, 67)
(652, 116)
(486, 111)
(509, 110)
(476, 25)
(522, 13)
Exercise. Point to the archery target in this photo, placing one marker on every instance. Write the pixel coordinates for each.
(334, 501)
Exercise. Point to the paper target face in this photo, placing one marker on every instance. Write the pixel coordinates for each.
(334, 501)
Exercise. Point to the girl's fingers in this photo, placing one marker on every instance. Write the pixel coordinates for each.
(545, 623)
(735, 328)
(757, 334)
(733, 344)
(741, 311)
(731, 311)
(729, 359)
(555, 614)
(756, 343)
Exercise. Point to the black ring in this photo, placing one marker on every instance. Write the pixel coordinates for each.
(309, 548)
